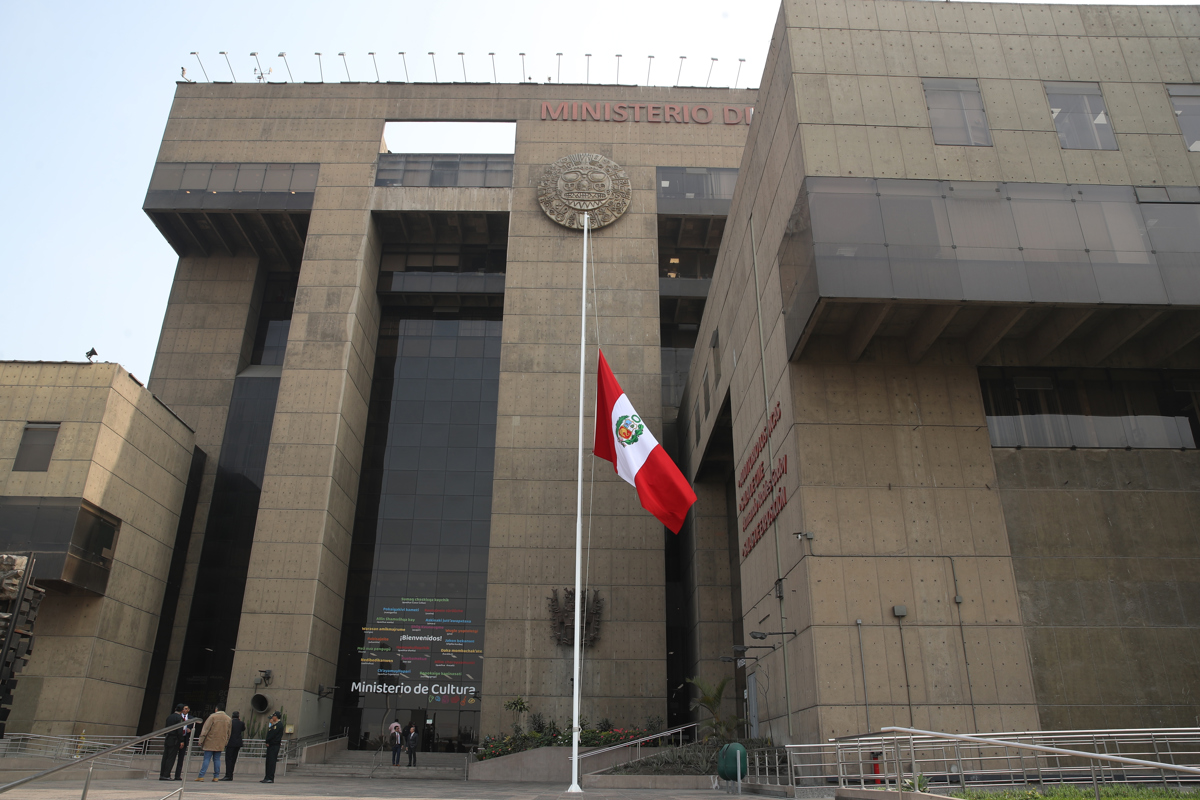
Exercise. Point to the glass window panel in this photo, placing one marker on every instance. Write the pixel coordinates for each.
(195, 177)
(36, 447)
(956, 112)
(250, 177)
(167, 177)
(846, 212)
(278, 178)
(1173, 227)
(223, 178)
(993, 274)
(853, 270)
(980, 216)
(1079, 116)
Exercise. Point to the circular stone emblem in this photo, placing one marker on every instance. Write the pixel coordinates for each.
(584, 183)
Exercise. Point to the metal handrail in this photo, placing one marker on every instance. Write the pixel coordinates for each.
(1043, 749)
(90, 760)
(636, 742)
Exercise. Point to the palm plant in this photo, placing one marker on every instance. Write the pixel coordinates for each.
(711, 697)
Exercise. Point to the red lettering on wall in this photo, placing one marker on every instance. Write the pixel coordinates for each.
(560, 113)
(584, 111)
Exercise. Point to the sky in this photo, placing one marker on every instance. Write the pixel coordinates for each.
(86, 87)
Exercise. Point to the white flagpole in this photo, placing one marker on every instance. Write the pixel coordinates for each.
(579, 598)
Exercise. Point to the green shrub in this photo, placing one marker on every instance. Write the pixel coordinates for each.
(1111, 791)
(553, 736)
(699, 758)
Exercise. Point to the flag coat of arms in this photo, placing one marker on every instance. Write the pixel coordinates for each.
(623, 439)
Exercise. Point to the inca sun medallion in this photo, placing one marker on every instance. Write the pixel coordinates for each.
(629, 429)
(584, 183)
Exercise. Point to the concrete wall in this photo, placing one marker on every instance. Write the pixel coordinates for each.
(858, 66)
(122, 450)
(207, 333)
(1107, 563)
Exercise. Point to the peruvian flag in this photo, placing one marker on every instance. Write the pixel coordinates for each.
(622, 438)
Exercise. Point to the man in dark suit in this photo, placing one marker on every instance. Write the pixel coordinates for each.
(185, 740)
(234, 746)
(172, 745)
(273, 739)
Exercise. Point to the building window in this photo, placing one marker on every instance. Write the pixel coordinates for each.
(1186, 101)
(696, 183)
(1092, 408)
(95, 537)
(956, 111)
(448, 169)
(1079, 116)
(36, 448)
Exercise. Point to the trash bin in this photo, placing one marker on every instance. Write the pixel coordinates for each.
(728, 758)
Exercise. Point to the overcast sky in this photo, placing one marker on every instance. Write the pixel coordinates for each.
(85, 89)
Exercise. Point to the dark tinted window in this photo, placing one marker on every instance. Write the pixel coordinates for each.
(95, 537)
(36, 448)
(1090, 408)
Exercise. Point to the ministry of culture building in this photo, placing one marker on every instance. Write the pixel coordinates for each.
(917, 318)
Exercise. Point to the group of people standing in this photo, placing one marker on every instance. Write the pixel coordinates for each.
(220, 733)
(403, 739)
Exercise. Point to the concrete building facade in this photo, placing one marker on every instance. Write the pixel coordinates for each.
(97, 479)
(917, 318)
(931, 280)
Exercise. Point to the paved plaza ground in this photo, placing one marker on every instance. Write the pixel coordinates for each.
(340, 788)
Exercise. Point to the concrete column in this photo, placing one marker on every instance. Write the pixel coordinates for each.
(292, 610)
(207, 335)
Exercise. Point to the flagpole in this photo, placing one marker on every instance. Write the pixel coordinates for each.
(579, 599)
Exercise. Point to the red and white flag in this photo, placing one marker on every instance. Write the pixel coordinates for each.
(622, 438)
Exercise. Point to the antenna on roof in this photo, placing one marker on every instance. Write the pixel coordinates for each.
(405, 60)
(229, 65)
(523, 78)
(434, 61)
(464, 64)
(739, 72)
(618, 68)
(202, 69)
(679, 74)
(376, 63)
(90, 354)
(710, 69)
(649, 64)
(320, 66)
(183, 74)
(494, 78)
(559, 78)
(347, 65)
